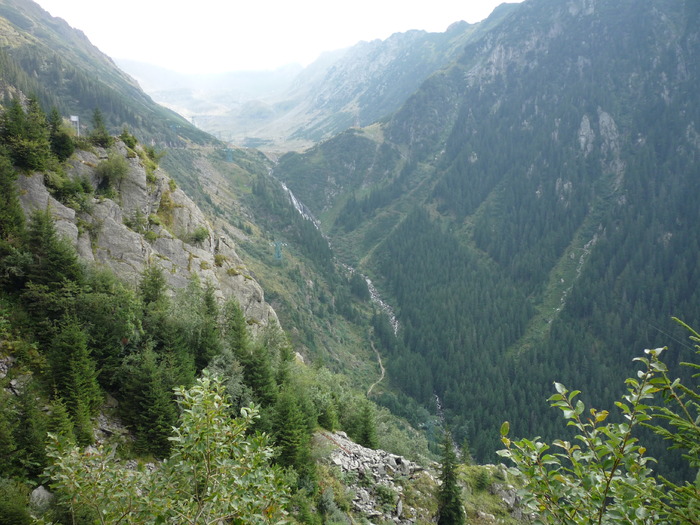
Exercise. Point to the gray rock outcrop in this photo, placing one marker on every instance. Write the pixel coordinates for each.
(146, 220)
(378, 493)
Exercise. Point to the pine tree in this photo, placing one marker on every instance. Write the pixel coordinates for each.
(11, 216)
(31, 432)
(289, 429)
(148, 402)
(259, 375)
(8, 425)
(60, 423)
(207, 340)
(367, 436)
(236, 328)
(26, 135)
(99, 135)
(62, 144)
(54, 260)
(450, 510)
(74, 376)
(293, 436)
(152, 285)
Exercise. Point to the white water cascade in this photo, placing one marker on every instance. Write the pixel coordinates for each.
(373, 293)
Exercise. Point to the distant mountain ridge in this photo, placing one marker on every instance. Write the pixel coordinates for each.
(351, 87)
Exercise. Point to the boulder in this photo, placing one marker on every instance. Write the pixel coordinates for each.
(40, 500)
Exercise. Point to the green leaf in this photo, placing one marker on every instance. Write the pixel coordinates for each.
(505, 428)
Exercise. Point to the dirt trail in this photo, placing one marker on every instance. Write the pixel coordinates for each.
(381, 366)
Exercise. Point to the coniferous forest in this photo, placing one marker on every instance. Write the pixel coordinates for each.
(529, 219)
(529, 222)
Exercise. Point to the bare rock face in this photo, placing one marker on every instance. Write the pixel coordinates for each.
(147, 220)
(378, 494)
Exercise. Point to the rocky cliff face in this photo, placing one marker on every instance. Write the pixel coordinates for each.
(147, 221)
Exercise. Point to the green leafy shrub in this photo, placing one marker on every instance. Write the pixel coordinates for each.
(153, 154)
(216, 471)
(128, 139)
(604, 476)
(482, 480)
(199, 235)
(112, 170)
(137, 222)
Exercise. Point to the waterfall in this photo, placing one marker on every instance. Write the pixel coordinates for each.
(301, 207)
(305, 212)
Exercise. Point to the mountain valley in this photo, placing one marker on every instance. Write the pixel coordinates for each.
(518, 193)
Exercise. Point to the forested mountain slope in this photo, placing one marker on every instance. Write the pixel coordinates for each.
(529, 209)
(43, 55)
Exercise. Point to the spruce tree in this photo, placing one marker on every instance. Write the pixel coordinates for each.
(31, 432)
(74, 376)
(236, 328)
(148, 403)
(60, 423)
(55, 262)
(293, 436)
(450, 510)
(206, 337)
(367, 436)
(62, 144)
(11, 216)
(26, 135)
(8, 425)
(99, 135)
(152, 285)
(289, 429)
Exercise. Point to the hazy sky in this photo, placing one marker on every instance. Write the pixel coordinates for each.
(229, 35)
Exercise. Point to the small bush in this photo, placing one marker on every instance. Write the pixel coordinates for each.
(199, 235)
(219, 260)
(386, 496)
(150, 236)
(112, 170)
(154, 155)
(165, 209)
(483, 480)
(128, 139)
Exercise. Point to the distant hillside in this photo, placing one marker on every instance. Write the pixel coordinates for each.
(44, 55)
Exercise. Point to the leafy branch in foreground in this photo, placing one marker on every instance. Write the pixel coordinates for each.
(603, 476)
(215, 473)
